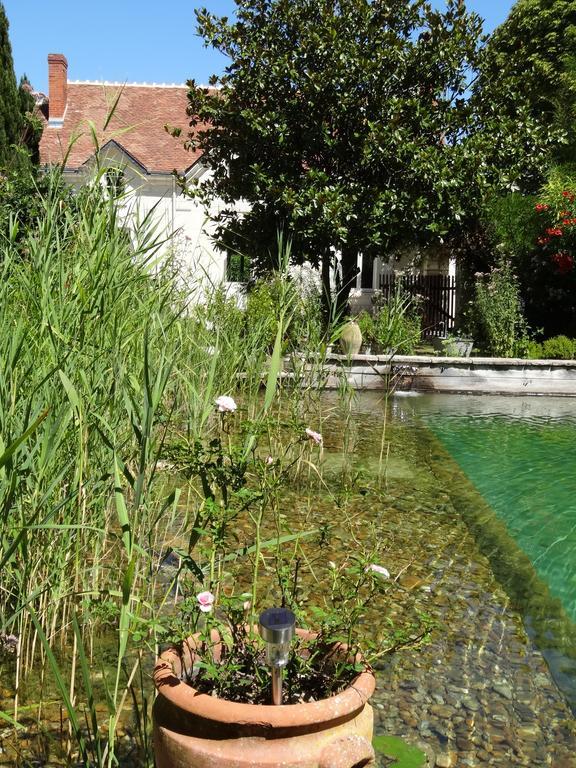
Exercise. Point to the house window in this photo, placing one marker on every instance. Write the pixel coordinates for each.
(115, 182)
(237, 268)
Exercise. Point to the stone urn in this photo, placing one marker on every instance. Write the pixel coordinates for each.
(196, 730)
(351, 338)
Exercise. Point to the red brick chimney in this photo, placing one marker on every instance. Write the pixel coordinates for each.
(57, 86)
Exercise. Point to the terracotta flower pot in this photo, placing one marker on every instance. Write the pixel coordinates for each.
(193, 729)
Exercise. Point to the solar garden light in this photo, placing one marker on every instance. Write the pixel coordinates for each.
(277, 628)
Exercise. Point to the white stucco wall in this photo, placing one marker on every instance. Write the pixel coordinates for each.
(178, 219)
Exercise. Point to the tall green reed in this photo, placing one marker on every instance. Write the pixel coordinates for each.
(89, 337)
(102, 363)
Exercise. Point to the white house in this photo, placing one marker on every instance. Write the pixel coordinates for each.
(125, 126)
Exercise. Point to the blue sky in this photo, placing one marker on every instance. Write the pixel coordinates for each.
(132, 40)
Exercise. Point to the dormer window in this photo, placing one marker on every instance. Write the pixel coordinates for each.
(115, 182)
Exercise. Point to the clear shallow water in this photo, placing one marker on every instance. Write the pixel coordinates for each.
(520, 455)
(478, 689)
(523, 462)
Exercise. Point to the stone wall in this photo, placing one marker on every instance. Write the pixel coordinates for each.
(476, 375)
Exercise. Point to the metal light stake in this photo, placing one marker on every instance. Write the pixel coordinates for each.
(277, 628)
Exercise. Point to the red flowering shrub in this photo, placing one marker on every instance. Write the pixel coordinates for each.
(564, 262)
(538, 234)
(558, 239)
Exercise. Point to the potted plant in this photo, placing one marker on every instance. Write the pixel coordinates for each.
(214, 704)
(192, 727)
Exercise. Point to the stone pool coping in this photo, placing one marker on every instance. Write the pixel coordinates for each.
(457, 375)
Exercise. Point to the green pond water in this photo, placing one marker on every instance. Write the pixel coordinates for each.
(519, 454)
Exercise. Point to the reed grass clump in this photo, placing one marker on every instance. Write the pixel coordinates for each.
(106, 359)
(110, 366)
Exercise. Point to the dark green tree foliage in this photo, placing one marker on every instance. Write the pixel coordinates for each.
(347, 123)
(528, 73)
(32, 124)
(529, 68)
(11, 117)
(21, 191)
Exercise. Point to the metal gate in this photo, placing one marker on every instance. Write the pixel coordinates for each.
(438, 295)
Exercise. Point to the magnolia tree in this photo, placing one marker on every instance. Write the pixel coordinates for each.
(348, 124)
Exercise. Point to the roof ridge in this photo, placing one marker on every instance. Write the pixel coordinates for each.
(120, 83)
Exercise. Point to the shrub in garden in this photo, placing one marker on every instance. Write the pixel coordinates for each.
(397, 322)
(268, 297)
(556, 240)
(22, 200)
(367, 327)
(549, 275)
(534, 350)
(496, 317)
(558, 348)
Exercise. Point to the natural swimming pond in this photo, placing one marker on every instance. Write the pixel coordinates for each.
(519, 454)
(480, 693)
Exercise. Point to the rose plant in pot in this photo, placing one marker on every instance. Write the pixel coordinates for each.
(293, 688)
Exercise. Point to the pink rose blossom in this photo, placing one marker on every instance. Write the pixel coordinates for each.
(379, 569)
(225, 404)
(315, 436)
(205, 601)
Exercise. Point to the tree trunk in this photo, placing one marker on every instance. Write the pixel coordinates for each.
(349, 264)
(327, 303)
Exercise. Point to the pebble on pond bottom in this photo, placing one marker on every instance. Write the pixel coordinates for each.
(479, 694)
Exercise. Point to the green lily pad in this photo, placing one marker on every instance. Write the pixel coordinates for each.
(404, 755)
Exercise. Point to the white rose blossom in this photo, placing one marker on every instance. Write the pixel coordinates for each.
(379, 569)
(225, 404)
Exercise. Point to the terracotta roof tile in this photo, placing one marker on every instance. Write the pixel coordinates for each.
(137, 125)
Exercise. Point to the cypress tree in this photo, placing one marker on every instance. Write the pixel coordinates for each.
(11, 117)
(32, 124)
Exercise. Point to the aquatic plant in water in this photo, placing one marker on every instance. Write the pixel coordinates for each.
(241, 490)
